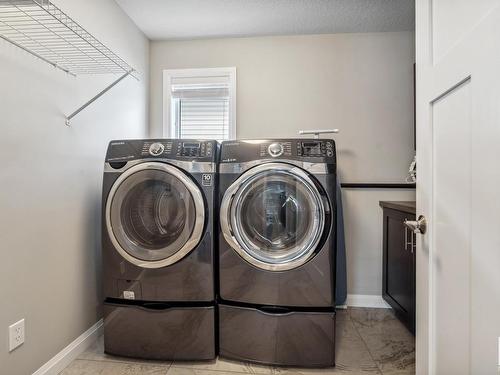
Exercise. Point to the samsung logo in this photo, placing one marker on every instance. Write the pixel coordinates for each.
(117, 143)
(232, 144)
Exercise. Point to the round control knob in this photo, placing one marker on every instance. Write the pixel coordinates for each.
(156, 149)
(275, 150)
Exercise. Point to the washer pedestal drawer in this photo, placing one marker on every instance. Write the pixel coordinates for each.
(295, 338)
(161, 332)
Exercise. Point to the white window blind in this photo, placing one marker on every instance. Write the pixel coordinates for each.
(200, 107)
(204, 118)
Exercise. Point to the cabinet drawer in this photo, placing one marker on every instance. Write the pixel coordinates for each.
(159, 332)
(290, 338)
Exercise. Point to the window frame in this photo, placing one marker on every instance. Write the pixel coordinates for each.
(168, 128)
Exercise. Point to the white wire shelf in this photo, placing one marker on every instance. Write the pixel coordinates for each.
(44, 30)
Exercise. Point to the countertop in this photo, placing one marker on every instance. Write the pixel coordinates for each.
(404, 206)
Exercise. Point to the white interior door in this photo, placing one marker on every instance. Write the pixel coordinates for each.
(458, 155)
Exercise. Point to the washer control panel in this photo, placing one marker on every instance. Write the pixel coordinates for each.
(156, 149)
(179, 149)
(195, 149)
(275, 149)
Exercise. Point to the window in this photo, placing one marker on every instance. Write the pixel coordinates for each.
(200, 103)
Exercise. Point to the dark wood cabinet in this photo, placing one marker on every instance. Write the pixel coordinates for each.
(398, 288)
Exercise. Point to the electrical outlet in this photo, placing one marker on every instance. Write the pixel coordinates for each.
(16, 335)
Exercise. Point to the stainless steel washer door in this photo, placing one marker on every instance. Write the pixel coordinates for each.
(154, 215)
(273, 216)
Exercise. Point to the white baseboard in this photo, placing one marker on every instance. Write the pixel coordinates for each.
(62, 359)
(366, 300)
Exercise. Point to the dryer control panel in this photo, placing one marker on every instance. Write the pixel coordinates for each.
(308, 150)
(178, 149)
(316, 148)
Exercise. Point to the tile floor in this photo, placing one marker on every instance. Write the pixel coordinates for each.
(369, 341)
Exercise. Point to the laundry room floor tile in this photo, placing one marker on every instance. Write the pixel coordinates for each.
(332, 371)
(223, 365)
(368, 342)
(391, 345)
(87, 367)
(198, 371)
(370, 316)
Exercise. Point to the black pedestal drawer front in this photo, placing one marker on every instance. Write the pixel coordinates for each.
(158, 332)
(287, 338)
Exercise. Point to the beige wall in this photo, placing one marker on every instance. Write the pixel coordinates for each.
(359, 83)
(50, 184)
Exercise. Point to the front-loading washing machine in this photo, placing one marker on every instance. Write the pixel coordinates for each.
(157, 249)
(277, 251)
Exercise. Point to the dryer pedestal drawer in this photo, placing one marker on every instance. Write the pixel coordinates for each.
(157, 332)
(289, 338)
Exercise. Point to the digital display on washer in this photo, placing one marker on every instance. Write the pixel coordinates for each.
(311, 148)
(191, 149)
(191, 145)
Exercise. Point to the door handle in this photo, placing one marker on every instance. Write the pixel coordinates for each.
(406, 236)
(418, 226)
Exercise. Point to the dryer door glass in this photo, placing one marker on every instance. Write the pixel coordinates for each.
(153, 215)
(277, 217)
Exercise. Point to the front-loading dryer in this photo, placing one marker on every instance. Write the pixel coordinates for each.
(277, 251)
(157, 248)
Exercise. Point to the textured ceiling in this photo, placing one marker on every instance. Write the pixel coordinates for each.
(193, 19)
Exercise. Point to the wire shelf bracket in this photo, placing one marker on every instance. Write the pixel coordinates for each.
(69, 117)
(46, 32)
